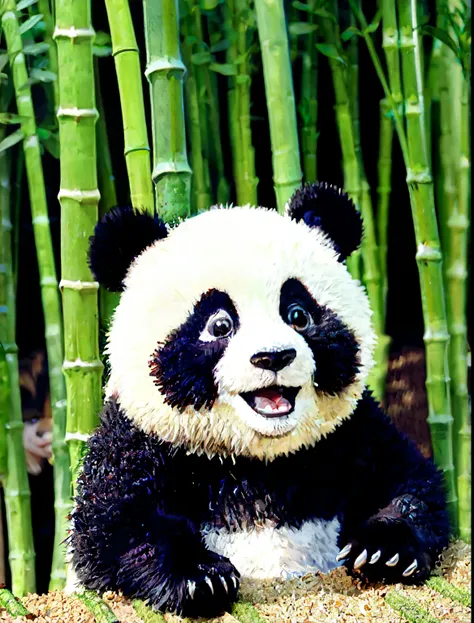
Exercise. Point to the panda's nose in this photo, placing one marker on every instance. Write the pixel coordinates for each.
(273, 360)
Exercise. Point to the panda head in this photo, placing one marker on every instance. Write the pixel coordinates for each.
(239, 331)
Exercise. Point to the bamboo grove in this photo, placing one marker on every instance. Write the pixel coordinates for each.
(185, 100)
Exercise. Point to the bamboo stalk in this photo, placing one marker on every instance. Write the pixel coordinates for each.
(201, 192)
(101, 611)
(428, 256)
(165, 71)
(457, 274)
(108, 198)
(48, 280)
(383, 190)
(409, 608)
(45, 11)
(309, 103)
(79, 200)
(15, 481)
(12, 605)
(127, 64)
(246, 180)
(277, 75)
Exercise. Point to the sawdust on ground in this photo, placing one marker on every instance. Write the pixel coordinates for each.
(335, 597)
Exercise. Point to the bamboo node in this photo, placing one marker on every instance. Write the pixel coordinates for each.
(164, 65)
(129, 150)
(457, 271)
(31, 141)
(14, 425)
(7, 224)
(164, 168)
(73, 33)
(42, 219)
(76, 437)
(77, 113)
(425, 252)
(92, 286)
(117, 51)
(79, 363)
(82, 196)
(49, 281)
(419, 177)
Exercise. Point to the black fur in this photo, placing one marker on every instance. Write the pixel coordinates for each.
(325, 206)
(141, 502)
(119, 237)
(183, 367)
(334, 347)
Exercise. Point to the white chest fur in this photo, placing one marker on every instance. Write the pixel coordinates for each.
(267, 552)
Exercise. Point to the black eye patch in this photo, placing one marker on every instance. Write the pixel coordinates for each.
(183, 366)
(333, 345)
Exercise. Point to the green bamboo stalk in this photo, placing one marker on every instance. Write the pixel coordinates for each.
(246, 613)
(409, 608)
(102, 613)
(384, 189)
(357, 187)
(272, 33)
(390, 44)
(45, 11)
(246, 181)
(11, 604)
(201, 192)
(4, 400)
(49, 284)
(15, 481)
(308, 107)
(146, 614)
(165, 71)
(428, 256)
(446, 589)
(79, 198)
(108, 301)
(457, 274)
(127, 64)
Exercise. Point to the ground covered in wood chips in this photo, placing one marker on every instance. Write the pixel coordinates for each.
(313, 598)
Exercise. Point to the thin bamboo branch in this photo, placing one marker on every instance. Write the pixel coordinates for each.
(308, 106)
(280, 97)
(45, 11)
(127, 64)
(165, 71)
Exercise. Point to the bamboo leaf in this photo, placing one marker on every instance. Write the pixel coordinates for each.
(41, 75)
(8, 118)
(441, 35)
(24, 4)
(201, 58)
(226, 69)
(350, 32)
(30, 23)
(209, 5)
(11, 139)
(242, 79)
(302, 7)
(302, 28)
(102, 38)
(331, 51)
(374, 24)
(220, 46)
(324, 13)
(36, 48)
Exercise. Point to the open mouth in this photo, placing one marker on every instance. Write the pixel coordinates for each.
(272, 402)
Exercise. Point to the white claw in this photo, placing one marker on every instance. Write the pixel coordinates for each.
(375, 557)
(360, 560)
(234, 581)
(224, 583)
(393, 561)
(191, 588)
(344, 552)
(209, 583)
(409, 570)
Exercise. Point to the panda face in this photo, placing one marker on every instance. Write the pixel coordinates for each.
(240, 333)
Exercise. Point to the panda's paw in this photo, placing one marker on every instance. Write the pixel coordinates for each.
(387, 549)
(212, 588)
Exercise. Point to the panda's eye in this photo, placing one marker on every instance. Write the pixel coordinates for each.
(299, 319)
(220, 325)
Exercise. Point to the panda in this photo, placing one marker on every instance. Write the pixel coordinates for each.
(238, 437)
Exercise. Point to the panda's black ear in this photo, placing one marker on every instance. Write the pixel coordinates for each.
(329, 208)
(119, 237)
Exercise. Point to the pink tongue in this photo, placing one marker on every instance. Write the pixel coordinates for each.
(271, 398)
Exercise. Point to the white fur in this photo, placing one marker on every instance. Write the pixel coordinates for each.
(266, 552)
(249, 253)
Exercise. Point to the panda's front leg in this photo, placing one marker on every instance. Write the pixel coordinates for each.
(177, 573)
